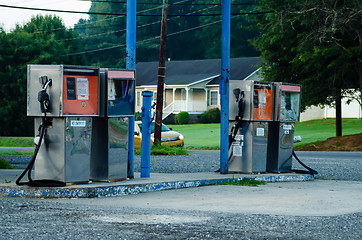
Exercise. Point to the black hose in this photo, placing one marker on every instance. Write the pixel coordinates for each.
(28, 169)
(310, 170)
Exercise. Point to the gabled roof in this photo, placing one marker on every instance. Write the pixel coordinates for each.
(187, 72)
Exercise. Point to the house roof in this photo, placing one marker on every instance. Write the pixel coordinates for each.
(187, 72)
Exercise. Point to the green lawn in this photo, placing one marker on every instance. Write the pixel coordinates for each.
(200, 136)
(16, 141)
(317, 130)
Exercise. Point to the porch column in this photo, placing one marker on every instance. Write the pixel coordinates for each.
(173, 99)
(187, 99)
(205, 99)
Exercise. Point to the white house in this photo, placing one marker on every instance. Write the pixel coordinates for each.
(193, 86)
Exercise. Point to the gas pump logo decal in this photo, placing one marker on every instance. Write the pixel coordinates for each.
(78, 123)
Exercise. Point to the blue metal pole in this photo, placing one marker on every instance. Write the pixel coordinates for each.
(146, 134)
(224, 86)
(131, 64)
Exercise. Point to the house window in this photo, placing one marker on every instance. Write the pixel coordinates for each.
(213, 97)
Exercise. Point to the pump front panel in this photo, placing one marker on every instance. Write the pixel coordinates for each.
(80, 95)
(263, 102)
(70, 90)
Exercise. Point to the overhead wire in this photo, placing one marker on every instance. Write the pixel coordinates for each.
(108, 19)
(123, 30)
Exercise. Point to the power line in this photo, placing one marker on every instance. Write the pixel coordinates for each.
(106, 19)
(122, 30)
(115, 14)
(197, 4)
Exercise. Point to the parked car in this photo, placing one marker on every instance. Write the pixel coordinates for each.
(168, 137)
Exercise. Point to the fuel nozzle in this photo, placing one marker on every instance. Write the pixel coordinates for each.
(239, 95)
(43, 96)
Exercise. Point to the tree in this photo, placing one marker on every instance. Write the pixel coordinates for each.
(183, 43)
(39, 41)
(316, 43)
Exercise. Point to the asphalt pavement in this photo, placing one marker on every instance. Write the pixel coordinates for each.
(326, 208)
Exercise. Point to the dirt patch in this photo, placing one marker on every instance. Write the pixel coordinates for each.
(350, 143)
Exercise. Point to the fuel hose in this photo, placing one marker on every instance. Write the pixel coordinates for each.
(43, 98)
(28, 169)
(310, 170)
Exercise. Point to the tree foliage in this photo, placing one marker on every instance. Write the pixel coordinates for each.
(36, 42)
(185, 39)
(316, 43)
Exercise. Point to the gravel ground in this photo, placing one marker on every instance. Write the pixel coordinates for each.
(330, 165)
(31, 219)
(70, 219)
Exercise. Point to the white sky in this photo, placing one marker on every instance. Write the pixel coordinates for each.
(10, 17)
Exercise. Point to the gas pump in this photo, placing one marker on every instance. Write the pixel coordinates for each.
(281, 130)
(251, 108)
(109, 157)
(68, 97)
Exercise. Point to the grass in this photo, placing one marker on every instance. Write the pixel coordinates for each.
(16, 141)
(165, 150)
(16, 153)
(200, 136)
(321, 129)
(243, 182)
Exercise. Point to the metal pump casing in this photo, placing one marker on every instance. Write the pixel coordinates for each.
(109, 157)
(74, 90)
(248, 147)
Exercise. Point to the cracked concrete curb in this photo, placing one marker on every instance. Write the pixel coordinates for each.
(134, 186)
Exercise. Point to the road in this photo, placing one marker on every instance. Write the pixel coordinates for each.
(327, 208)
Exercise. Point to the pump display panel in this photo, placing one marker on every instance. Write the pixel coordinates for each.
(120, 88)
(288, 102)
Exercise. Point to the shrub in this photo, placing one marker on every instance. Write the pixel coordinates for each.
(137, 116)
(211, 116)
(183, 118)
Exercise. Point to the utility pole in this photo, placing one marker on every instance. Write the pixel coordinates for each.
(224, 86)
(161, 75)
(131, 64)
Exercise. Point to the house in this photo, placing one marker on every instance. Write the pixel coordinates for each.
(191, 85)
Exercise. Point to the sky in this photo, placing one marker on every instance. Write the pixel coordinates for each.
(10, 17)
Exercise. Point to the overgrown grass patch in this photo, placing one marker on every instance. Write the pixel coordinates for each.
(243, 182)
(165, 150)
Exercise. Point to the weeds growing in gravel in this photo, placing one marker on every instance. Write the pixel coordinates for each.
(243, 182)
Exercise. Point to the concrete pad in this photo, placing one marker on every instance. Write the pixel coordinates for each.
(312, 198)
(157, 182)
